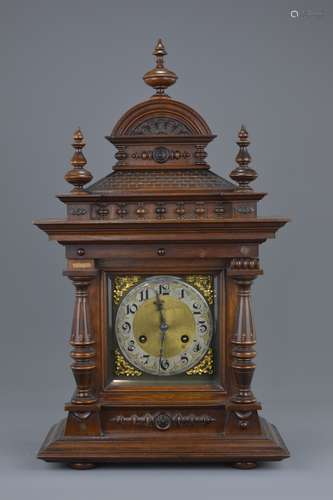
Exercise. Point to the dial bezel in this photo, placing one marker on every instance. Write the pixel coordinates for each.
(177, 367)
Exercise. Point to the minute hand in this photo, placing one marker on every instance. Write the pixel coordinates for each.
(163, 326)
(159, 304)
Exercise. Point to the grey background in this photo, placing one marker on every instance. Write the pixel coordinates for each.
(70, 63)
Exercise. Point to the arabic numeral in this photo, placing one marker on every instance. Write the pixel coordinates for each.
(196, 308)
(126, 327)
(184, 358)
(131, 308)
(202, 326)
(146, 358)
(144, 295)
(164, 364)
(182, 293)
(164, 289)
(197, 347)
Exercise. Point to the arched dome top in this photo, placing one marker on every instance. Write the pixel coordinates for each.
(160, 132)
(161, 116)
(161, 147)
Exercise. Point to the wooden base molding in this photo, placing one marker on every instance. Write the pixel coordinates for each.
(242, 452)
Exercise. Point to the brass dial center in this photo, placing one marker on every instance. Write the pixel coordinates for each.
(179, 321)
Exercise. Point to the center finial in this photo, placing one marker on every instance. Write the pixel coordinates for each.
(160, 78)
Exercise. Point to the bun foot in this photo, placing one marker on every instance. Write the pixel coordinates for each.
(244, 465)
(82, 465)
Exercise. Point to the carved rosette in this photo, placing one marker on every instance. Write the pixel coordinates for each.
(245, 263)
(82, 340)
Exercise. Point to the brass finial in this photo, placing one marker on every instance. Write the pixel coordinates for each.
(243, 174)
(78, 175)
(160, 78)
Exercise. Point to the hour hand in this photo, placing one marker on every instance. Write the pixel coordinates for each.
(158, 302)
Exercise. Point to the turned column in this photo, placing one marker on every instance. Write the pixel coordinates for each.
(243, 271)
(82, 340)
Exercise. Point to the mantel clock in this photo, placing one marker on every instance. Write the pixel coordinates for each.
(162, 253)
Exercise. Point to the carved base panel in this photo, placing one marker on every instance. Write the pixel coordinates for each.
(193, 447)
(162, 422)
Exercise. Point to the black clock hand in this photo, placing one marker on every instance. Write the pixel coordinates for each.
(159, 304)
(163, 332)
(163, 326)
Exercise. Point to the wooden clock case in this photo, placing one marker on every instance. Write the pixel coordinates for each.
(162, 211)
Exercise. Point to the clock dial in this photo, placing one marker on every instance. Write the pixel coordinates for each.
(163, 326)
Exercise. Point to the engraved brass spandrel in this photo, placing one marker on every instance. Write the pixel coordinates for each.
(206, 365)
(204, 284)
(123, 368)
(121, 285)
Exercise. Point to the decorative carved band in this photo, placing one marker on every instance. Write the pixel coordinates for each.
(78, 211)
(245, 210)
(153, 210)
(163, 421)
(160, 154)
(244, 263)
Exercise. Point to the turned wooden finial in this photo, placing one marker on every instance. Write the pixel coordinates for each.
(160, 78)
(78, 175)
(243, 174)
